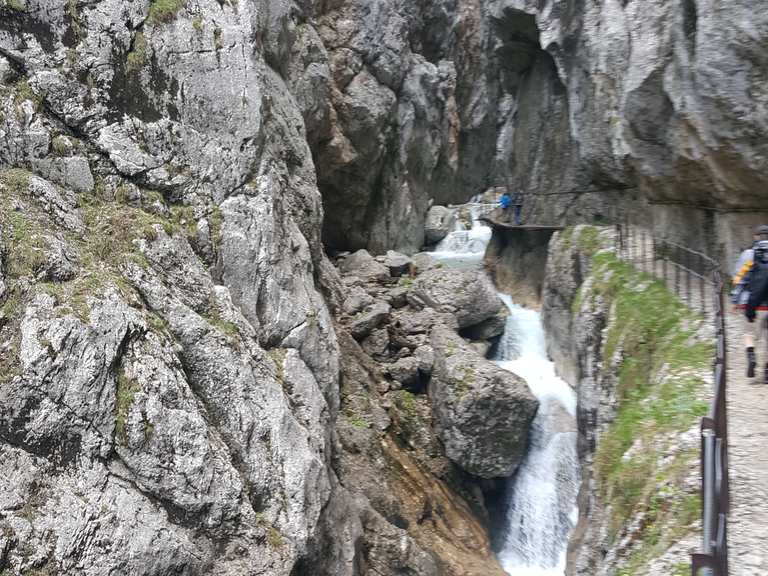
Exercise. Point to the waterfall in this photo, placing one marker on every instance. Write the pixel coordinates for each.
(541, 497)
(541, 505)
(464, 248)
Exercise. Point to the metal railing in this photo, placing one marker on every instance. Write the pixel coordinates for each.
(696, 279)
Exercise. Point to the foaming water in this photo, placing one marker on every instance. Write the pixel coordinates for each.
(464, 248)
(541, 506)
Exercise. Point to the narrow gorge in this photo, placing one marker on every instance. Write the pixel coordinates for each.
(261, 313)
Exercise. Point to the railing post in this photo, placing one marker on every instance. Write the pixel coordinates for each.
(708, 513)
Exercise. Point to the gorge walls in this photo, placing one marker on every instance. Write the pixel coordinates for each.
(592, 110)
(173, 174)
(172, 365)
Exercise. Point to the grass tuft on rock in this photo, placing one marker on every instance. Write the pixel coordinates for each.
(139, 55)
(125, 393)
(163, 11)
(653, 346)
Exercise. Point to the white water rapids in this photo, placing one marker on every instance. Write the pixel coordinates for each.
(541, 497)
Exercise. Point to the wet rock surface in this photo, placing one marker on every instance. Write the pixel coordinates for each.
(467, 294)
(438, 224)
(482, 412)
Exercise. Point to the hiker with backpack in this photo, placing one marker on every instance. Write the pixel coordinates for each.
(750, 292)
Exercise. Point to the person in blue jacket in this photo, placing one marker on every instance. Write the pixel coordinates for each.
(505, 201)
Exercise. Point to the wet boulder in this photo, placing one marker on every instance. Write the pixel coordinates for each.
(481, 412)
(438, 224)
(489, 328)
(467, 294)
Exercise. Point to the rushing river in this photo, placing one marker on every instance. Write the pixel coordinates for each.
(541, 497)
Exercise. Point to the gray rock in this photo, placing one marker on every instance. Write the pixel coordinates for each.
(368, 320)
(426, 357)
(61, 262)
(61, 205)
(423, 261)
(405, 370)
(376, 343)
(398, 264)
(421, 322)
(439, 223)
(357, 299)
(480, 348)
(482, 413)
(3, 286)
(489, 328)
(398, 297)
(73, 172)
(362, 265)
(468, 295)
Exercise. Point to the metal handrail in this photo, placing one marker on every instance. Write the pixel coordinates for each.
(713, 558)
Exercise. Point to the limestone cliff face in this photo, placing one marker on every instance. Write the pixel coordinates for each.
(170, 368)
(640, 363)
(170, 172)
(662, 101)
(592, 109)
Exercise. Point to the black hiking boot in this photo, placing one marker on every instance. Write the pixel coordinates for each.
(765, 374)
(751, 362)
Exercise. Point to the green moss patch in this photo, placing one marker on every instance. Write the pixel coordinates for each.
(17, 5)
(163, 11)
(139, 54)
(652, 345)
(588, 240)
(227, 328)
(22, 234)
(124, 396)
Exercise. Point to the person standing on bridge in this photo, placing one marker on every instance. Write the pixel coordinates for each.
(750, 293)
(517, 203)
(505, 201)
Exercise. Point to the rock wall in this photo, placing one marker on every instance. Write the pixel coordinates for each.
(173, 376)
(516, 260)
(592, 110)
(641, 366)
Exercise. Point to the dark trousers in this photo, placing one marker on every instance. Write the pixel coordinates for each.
(518, 211)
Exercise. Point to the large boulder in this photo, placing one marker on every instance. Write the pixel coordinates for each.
(363, 265)
(397, 263)
(439, 223)
(482, 413)
(467, 294)
(489, 328)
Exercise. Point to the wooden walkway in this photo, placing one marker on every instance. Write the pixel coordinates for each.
(523, 227)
